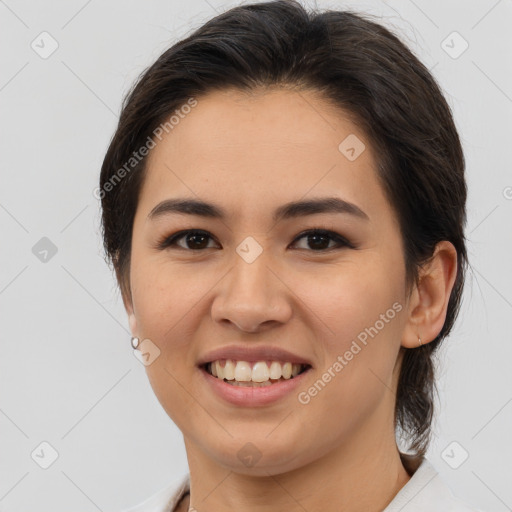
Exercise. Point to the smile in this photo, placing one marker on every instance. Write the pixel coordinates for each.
(255, 374)
(252, 384)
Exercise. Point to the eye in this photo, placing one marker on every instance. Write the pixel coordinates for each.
(197, 240)
(193, 236)
(318, 238)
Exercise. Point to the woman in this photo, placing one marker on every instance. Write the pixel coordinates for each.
(284, 207)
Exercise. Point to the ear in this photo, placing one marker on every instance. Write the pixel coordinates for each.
(128, 306)
(429, 298)
(132, 320)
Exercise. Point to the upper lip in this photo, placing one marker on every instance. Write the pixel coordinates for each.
(252, 354)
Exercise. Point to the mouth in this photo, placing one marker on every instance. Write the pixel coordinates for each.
(253, 374)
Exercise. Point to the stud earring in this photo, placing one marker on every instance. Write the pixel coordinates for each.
(419, 340)
(135, 342)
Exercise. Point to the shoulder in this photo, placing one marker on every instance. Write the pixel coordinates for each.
(426, 491)
(165, 499)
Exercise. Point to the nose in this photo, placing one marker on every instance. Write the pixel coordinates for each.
(252, 296)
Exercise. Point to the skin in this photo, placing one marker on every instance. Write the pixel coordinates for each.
(251, 154)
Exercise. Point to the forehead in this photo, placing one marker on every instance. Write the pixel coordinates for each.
(255, 151)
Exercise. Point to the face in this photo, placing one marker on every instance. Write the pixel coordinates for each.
(334, 299)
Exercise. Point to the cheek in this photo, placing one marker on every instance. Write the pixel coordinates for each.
(164, 303)
(347, 299)
(363, 313)
(161, 296)
(368, 326)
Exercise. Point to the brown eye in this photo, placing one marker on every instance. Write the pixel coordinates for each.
(193, 240)
(319, 239)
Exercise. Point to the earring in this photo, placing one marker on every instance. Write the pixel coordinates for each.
(135, 342)
(419, 340)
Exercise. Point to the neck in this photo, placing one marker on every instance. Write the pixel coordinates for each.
(346, 479)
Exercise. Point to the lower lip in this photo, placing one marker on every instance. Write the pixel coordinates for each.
(253, 396)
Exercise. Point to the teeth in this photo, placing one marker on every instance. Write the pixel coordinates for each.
(241, 371)
(220, 370)
(275, 370)
(251, 384)
(229, 370)
(287, 370)
(260, 372)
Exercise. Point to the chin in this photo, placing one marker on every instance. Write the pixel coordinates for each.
(259, 458)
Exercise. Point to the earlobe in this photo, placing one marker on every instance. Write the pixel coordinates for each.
(429, 301)
(128, 305)
(133, 323)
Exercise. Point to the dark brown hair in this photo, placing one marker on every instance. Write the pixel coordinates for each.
(358, 66)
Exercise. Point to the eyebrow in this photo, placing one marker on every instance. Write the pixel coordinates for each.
(287, 211)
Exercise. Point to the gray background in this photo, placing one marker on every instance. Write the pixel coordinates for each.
(67, 372)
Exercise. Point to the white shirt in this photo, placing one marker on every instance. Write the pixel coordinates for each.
(424, 492)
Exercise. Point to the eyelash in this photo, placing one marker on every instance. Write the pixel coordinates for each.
(170, 241)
